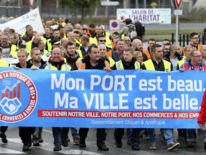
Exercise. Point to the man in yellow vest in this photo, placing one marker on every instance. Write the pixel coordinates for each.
(156, 63)
(92, 34)
(100, 31)
(62, 32)
(56, 62)
(85, 46)
(36, 58)
(175, 55)
(126, 63)
(151, 42)
(101, 39)
(103, 49)
(138, 46)
(71, 36)
(71, 55)
(77, 39)
(14, 40)
(28, 36)
(93, 61)
(56, 34)
(61, 22)
(118, 50)
(47, 38)
(194, 40)
(6, 47)
(38, 63)
(41, 45)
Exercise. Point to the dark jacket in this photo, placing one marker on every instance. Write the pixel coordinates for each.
(127, 65)
(72, 61)
(84, 52)
(28, 65)
(100, 64)
(42, 63)
(158, 67)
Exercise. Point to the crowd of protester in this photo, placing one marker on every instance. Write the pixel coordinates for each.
(68, 46)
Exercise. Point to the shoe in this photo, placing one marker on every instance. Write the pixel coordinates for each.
(190, 144)
(3, 138)
(57, 147)
(103, 147)
(82, 143)
(76, 141)
(64, 142)
(135, 147)
(153, 146)
(41, 140)
(36, 142)
(172, 146)
(25, 147)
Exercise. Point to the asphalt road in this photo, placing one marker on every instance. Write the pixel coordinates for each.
(14, 146)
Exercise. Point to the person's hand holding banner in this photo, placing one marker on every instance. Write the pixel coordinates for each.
(202, 127)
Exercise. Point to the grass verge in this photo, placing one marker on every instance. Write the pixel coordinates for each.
(169, 32)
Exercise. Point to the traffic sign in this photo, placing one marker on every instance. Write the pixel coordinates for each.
(178, 12)
(109, 3)
(31, 2)
(178, 3)
(114, 25)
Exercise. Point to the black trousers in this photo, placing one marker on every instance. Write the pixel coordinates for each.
(25, 133)
(101, 135)
(3, 129)
(119, 132)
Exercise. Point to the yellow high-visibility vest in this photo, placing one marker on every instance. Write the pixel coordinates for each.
(150, 66)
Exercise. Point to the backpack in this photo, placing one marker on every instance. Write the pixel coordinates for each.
(140, 29)
(132, 31)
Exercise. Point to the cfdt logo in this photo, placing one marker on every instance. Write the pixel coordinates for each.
(18, 96)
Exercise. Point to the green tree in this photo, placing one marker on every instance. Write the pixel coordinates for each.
(84, 6)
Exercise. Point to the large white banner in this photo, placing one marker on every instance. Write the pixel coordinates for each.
(146, 16)
(19, 24)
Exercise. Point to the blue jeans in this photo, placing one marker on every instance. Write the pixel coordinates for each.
(204, 136)
(168, 134)
(190, 135)
(74, 133)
